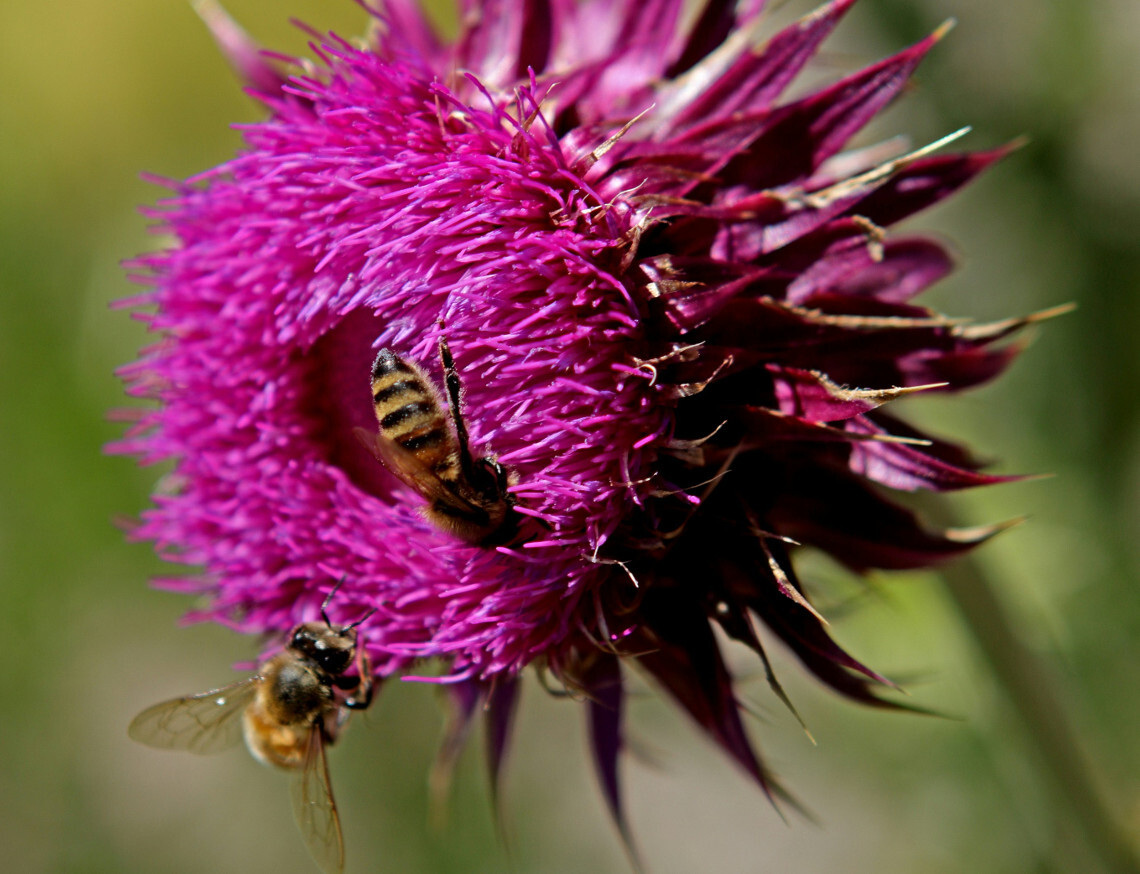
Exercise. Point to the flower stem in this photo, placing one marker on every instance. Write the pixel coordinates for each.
(1039, 700)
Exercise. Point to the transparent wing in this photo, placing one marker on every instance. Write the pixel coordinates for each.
(414, 474)
(315, 809)
(202, 724)
(401, 463)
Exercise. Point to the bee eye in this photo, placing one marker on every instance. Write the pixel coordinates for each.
(488, 477)
(335, 661)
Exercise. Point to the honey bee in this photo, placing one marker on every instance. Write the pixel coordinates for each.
(287, 712)
(466, 496)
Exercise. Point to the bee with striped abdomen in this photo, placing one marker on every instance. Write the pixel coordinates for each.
(466, 496)
(287, 712)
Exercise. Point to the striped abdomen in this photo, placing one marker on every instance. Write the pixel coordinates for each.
(412, 416)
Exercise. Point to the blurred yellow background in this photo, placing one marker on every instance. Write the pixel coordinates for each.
(92, 93)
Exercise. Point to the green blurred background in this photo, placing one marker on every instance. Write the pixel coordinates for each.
(93, 93)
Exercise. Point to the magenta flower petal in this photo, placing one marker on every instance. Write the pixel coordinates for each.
(676, 310)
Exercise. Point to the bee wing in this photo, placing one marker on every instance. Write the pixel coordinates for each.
(412, 472)
(202, 724)
(314, 807)
(402, 463)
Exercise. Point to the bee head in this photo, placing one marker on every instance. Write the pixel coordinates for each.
(331, 647)
(489, 478)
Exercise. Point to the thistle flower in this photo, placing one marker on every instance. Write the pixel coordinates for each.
(676, 311)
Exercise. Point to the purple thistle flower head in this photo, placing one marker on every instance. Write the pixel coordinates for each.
(676, 312)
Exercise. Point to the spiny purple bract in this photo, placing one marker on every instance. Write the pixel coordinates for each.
(674, 308)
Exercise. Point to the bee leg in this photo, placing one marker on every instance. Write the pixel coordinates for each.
(361, 696)
(451, 380)
(360, 689)
(331, 724)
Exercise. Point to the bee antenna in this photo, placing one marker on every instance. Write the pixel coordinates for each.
(328, 598)
(360, 621)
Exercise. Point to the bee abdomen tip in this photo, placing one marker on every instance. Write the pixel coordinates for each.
(388, 361)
